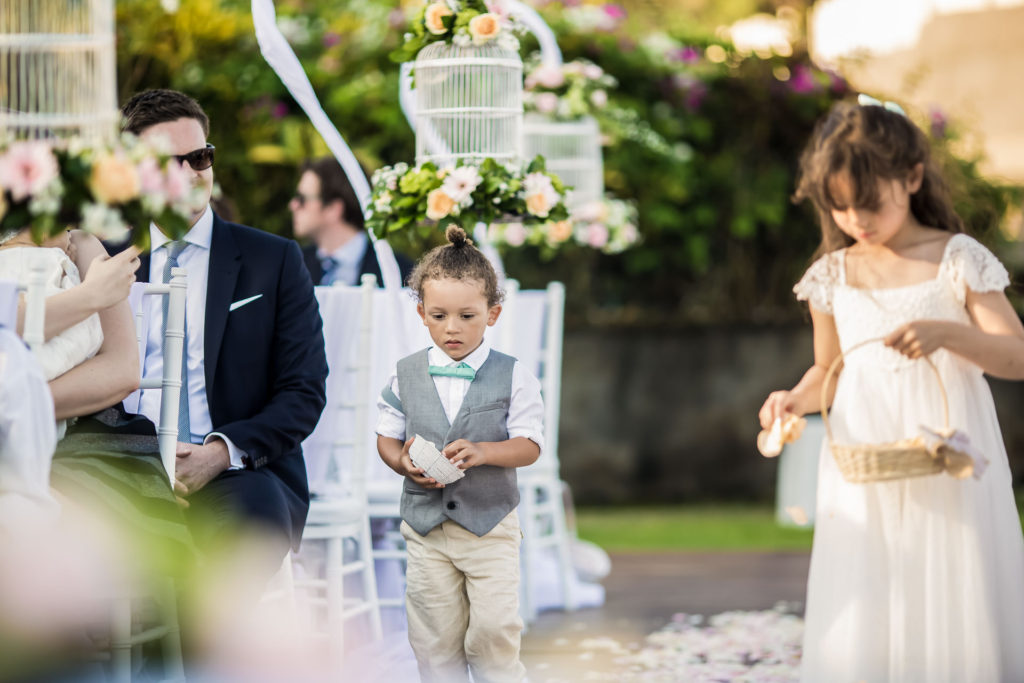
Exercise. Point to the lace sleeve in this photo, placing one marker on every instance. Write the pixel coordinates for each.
(973, 267)
(818, 283)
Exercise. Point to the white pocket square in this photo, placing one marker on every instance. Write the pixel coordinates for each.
(242, 302)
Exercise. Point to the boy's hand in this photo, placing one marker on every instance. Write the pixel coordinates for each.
(465, 454)
(416, 473)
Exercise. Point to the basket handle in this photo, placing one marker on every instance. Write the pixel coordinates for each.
(839, 359)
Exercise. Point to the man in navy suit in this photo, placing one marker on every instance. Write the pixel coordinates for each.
(326, 211)
(255, 364)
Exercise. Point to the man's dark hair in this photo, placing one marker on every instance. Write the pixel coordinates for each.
(335, 186)
(151, 107)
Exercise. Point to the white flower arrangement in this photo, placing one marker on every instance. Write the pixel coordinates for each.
(461, 23)
(468, 193)
(569, 92)
(47, 186)
(608, 225)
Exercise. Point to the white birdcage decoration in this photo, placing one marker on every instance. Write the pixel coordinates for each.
(57, 69)
(572, 150)
(469, 103)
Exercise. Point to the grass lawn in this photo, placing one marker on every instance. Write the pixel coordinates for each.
(695, 527)
(689, 527)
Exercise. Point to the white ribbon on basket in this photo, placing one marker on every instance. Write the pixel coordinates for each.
(958, 455)
(281, 58)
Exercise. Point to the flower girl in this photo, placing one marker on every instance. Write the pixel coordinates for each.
(911, 579)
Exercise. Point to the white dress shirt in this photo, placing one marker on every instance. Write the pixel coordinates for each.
(525, 410)
(349, 257)
(195, 259)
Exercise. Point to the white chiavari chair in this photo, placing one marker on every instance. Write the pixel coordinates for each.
(541, 506)
(125, 641)
(342, 515)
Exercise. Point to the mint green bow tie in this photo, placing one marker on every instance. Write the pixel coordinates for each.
(462, 371)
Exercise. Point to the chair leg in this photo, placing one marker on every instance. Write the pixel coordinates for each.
(553, 490)
(120, 640)
(335, 598)
(370, 580)
(174, 665)
(527, 520)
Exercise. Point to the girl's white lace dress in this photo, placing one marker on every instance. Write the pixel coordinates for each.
(915, 580)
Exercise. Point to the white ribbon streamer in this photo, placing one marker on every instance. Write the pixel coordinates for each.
(286, 65)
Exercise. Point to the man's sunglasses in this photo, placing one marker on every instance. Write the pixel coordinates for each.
(198, 159)
(301, 199)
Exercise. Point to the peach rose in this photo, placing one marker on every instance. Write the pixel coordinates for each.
(114, 180)
(434, 16)
(439, 205)
(560, 231)
(483, 28)
(538, 205)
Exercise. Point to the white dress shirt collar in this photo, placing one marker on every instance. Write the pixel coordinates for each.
(349, 253)
(200, 234)
(437, 356)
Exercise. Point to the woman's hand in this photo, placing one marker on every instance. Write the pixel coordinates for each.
(779, 404)
(465, 454)
(919, 338)
(109, 279)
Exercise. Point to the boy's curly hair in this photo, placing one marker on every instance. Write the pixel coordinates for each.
(457, 260)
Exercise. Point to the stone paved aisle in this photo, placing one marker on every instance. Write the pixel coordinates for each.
(644, 590)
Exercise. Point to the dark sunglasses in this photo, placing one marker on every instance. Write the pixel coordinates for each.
(301, 199)
(198, 159)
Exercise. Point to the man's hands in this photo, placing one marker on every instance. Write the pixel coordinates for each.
(465, 454)
(109, 278)
(198, 464)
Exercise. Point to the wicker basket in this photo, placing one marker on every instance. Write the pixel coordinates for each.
(863, 463)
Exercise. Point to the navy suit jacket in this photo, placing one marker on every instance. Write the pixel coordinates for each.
(368, 266)
(266, 368)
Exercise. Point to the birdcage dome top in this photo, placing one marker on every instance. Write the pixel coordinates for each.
(493, 53)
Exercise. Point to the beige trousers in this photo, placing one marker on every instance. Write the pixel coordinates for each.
(462, 600)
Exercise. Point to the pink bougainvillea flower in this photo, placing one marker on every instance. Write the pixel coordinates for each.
(802, 81)
(331, 39)
(938, 122)
(617, 12)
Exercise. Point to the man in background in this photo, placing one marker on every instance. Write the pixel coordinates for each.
(326, 212)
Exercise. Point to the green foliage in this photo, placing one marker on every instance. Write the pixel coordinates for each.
(722, 241)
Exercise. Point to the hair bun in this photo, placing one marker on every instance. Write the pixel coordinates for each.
(457, 236)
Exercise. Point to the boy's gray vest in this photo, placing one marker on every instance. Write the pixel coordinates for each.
(486, 494)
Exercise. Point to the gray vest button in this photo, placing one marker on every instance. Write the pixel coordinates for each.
(452, 505)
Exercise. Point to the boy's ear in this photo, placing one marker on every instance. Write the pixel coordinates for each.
(423, 314)
(915, 178)
(493, 313)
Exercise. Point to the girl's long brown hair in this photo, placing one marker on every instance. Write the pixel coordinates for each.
(869, 143)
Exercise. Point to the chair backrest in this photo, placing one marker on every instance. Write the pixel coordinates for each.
(35, 304)
(8, 304)
(338, 450)
(173, 348)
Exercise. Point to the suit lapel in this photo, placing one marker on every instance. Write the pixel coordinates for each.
(142, 274)
(225, 262)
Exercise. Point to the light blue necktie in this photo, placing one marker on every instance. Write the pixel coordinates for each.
(329, 265)
(174, 250)
(462, 371)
